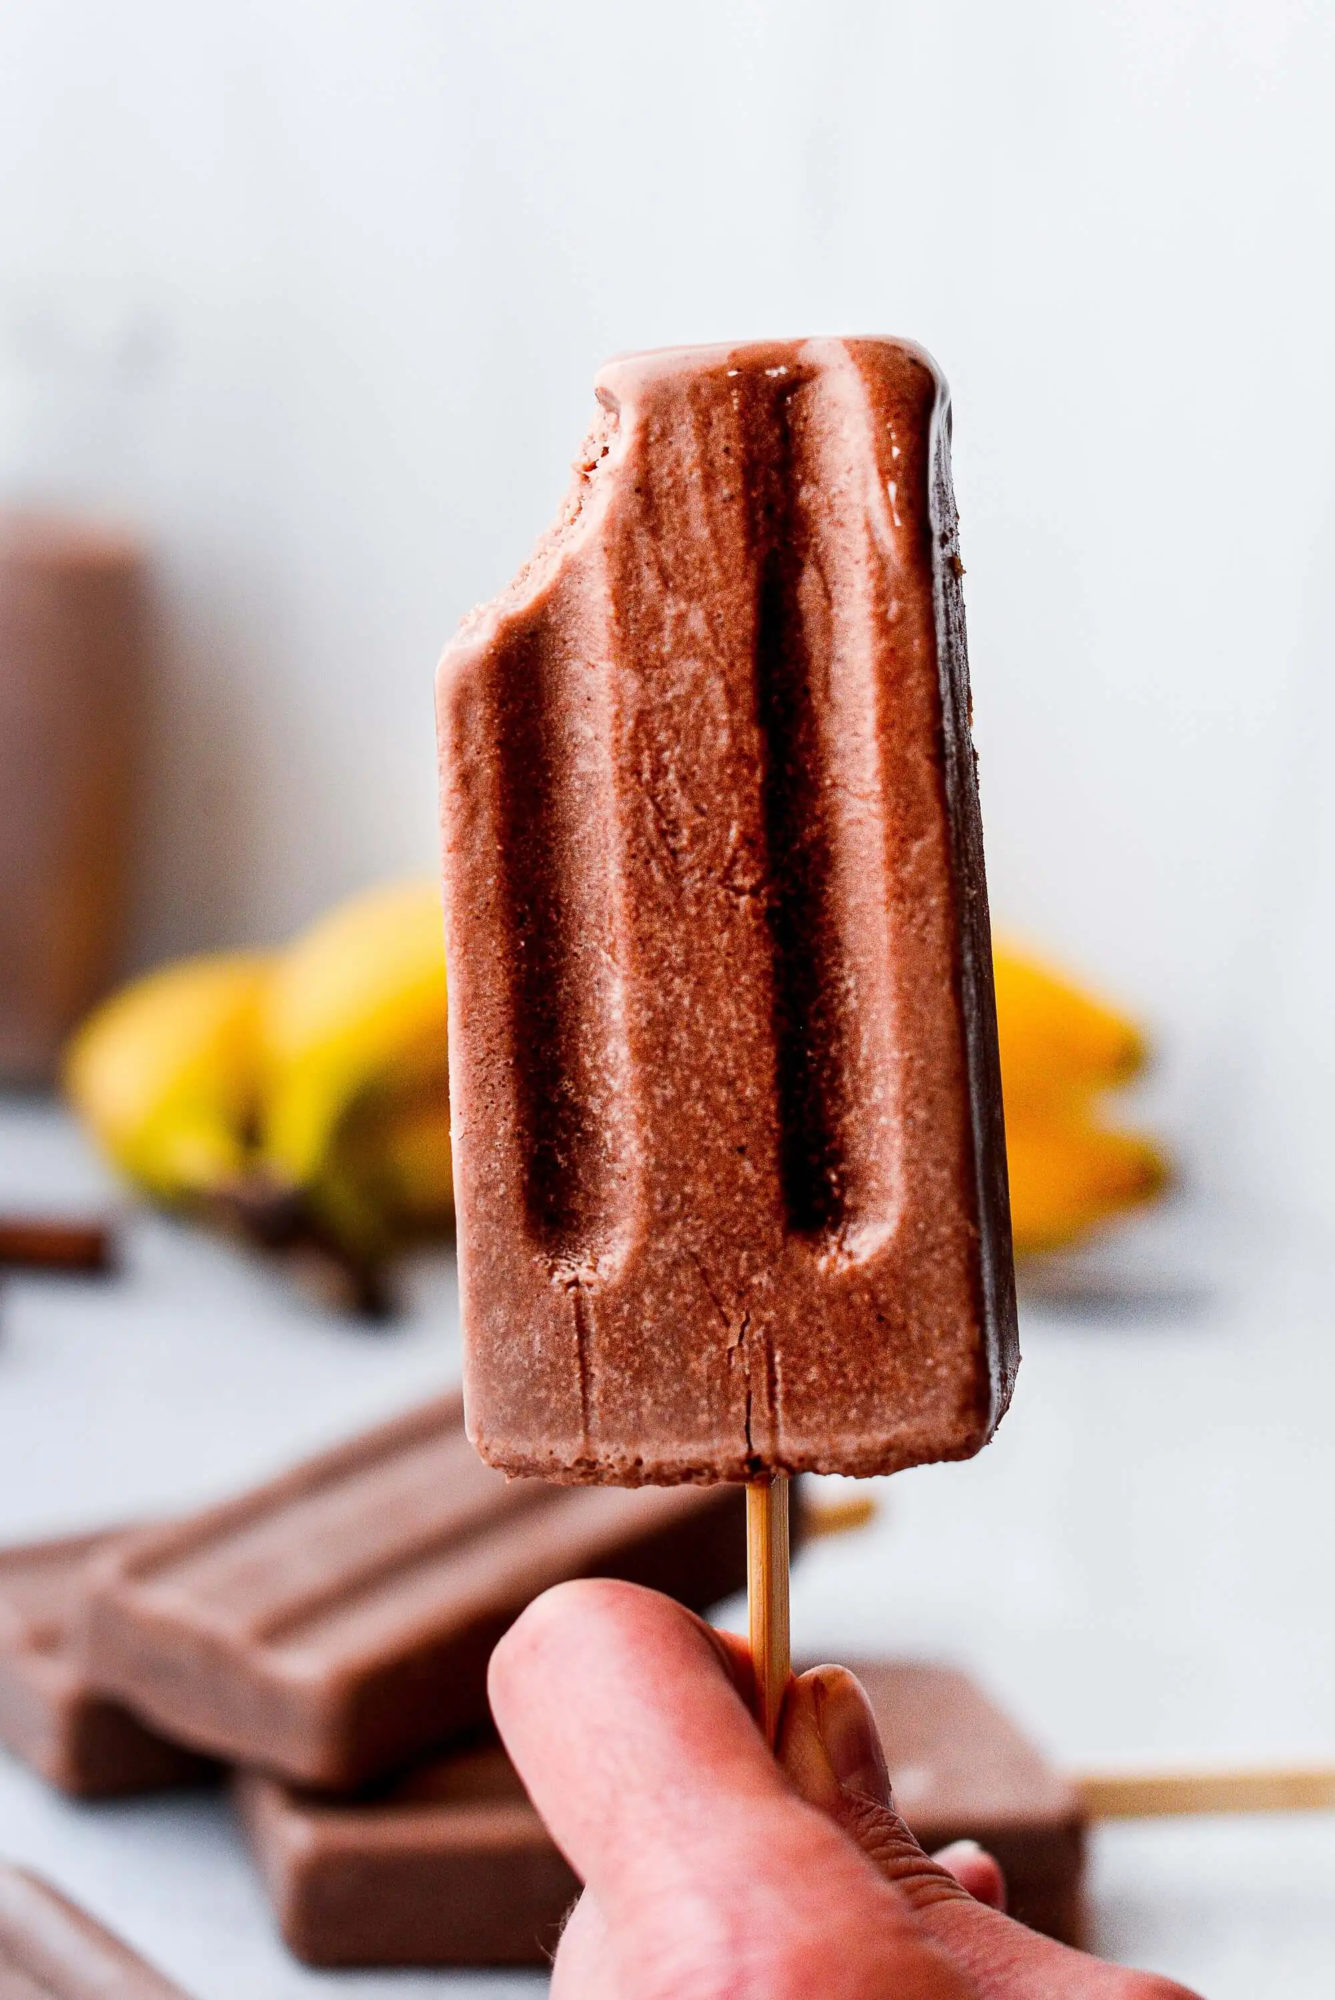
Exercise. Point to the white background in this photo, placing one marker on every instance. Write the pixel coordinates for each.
(314, 290)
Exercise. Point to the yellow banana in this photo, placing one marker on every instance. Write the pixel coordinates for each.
(1068, 1177)
(321, 1075)
(387, 1176)
(355, 1014)
(1058, 1042)
(418, 1163)
(1060, 1049)
(166, 1073)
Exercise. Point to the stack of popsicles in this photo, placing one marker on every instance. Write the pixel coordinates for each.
(327, 1634)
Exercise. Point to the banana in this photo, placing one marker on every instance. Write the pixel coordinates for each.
(166, 1073)
(1066, 1178)
(387, 1177)
(1058, 1042)
(1061, 1049)
(409, 1143)
(353, 1033)
(309, 1092)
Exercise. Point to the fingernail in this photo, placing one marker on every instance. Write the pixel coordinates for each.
(975, 1870)
(847, 1729)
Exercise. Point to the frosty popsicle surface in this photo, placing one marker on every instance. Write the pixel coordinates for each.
(730, 1169)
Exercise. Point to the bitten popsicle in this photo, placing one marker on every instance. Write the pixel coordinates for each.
(727, 1117)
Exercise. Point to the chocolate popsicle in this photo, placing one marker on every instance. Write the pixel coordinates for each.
(337, 1621)
(450, 1865)
(74, 690)
(730, 1171)
(50, 1949)
(50, 1713)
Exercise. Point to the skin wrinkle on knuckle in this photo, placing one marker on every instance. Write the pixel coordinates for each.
(916, 1877)
(888, 1844)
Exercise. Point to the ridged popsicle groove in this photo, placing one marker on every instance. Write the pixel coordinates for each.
(350, 1533)
(833, 1058)
(556, 807)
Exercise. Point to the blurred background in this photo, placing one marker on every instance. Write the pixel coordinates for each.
(312, 296)
(306, 301)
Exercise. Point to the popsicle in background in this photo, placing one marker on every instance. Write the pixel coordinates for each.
(72, 672)
(51, 1949)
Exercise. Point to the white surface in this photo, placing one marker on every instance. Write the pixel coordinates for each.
(1137, 1565)
(316, 292)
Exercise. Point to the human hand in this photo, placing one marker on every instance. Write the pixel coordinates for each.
(714, 1872)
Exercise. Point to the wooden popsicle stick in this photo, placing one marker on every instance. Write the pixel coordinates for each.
(54, 1243)
(767, 1597)
(1164, 1794)
(836, 1517)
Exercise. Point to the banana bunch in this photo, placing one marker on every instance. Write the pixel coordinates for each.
(356, 1109)
(1061, 1050)
(166, 1074)
(299, 1097)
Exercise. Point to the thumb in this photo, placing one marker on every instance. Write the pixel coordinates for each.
(830, 1747)
(831, 1750)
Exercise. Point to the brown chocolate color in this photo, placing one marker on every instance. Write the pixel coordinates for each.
(452, 1866)
(50, 1949)
(50, 1714)
(961, 1770)
(73, 674)
(730, 1171)
(55, 1243)
(336, 1621)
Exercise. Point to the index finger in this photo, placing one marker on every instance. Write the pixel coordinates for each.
(612, 1699)
(623, 1715)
